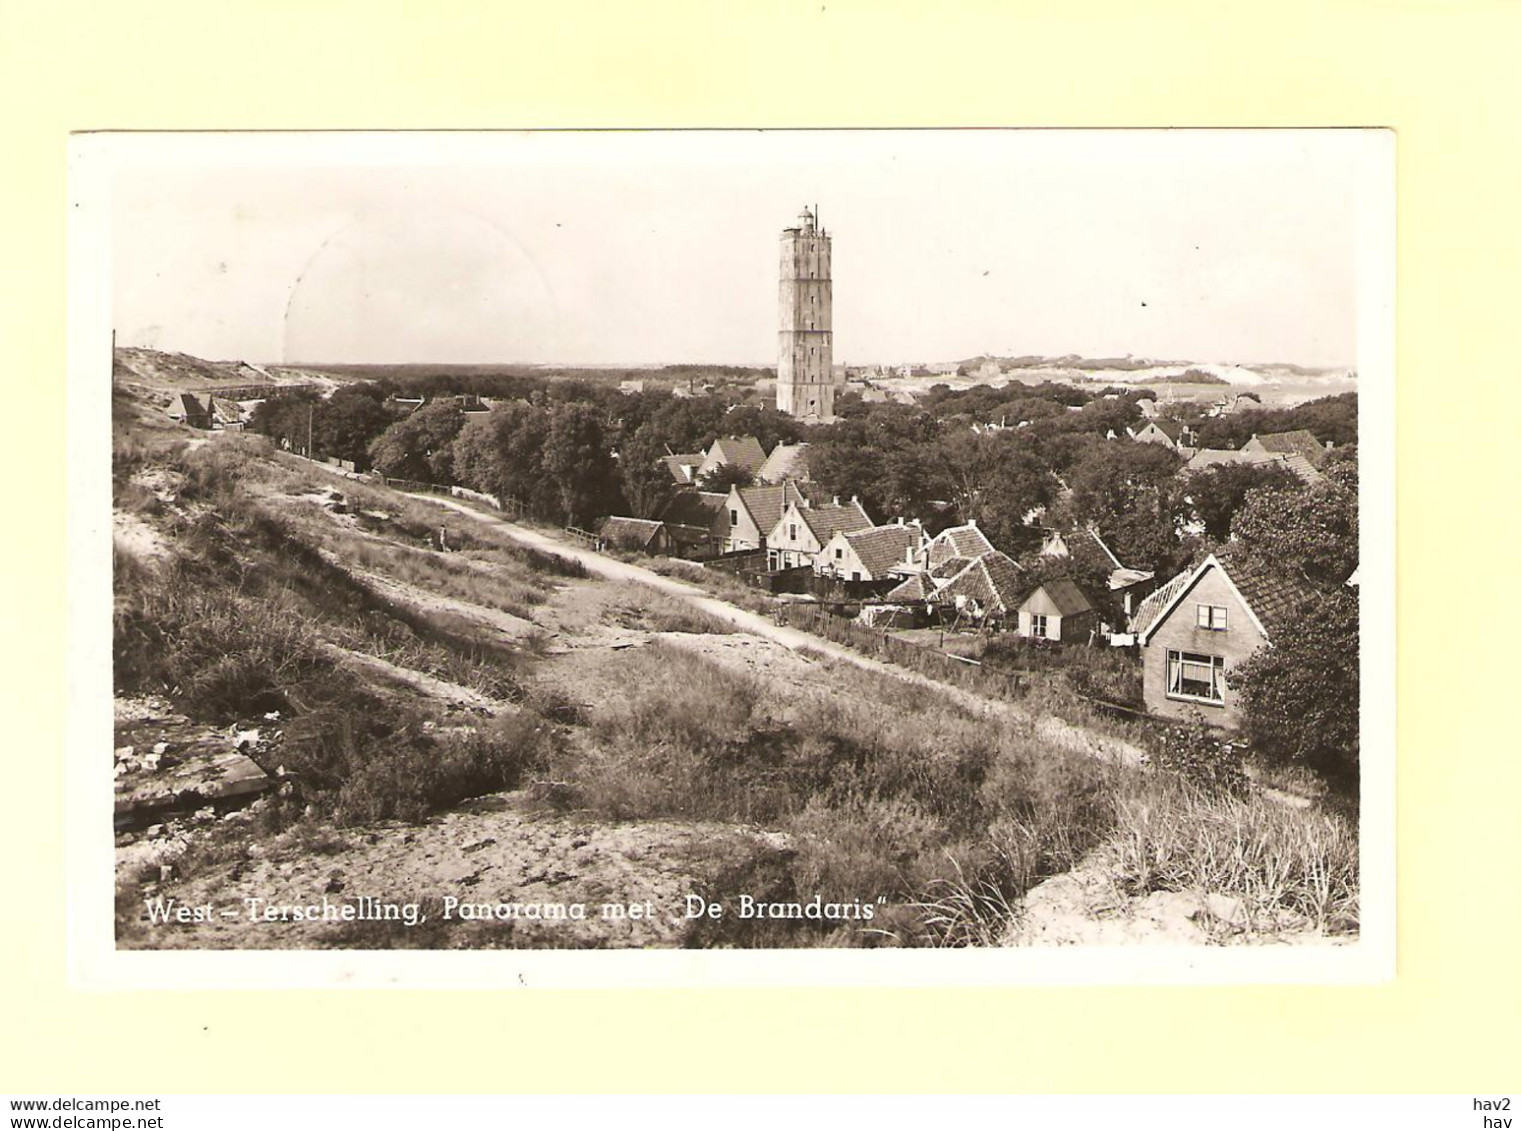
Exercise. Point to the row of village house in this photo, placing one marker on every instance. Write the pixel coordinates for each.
(1190, 631)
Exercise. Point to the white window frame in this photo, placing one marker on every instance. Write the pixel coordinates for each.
(1038, 626)
(1211, 618)
(1175, 670)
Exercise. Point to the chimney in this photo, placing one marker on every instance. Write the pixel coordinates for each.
(900, 520)
(972, 522)
(837, 500)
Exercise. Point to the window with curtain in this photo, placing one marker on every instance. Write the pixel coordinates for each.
(1193, 676)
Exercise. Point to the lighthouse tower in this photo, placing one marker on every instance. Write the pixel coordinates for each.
(805, 358)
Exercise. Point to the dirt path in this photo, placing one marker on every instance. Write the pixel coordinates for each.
(1054, 730)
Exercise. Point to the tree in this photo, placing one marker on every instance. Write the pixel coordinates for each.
(502, 453)
(347, 422)
(578, 463)
(995, 480)
(1309, 534)
(1214, 495)
(420, 446)
(645, 481)
(1300, 695)
(287, 418)
(724, 476)
(1127, 490)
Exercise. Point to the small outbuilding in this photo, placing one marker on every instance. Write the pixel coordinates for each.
(1058, 610)
(643, 534)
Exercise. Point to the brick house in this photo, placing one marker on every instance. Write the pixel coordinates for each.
(1201, 624)
(696, 522)
(802, 530)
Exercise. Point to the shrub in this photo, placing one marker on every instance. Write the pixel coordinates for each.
(1201, 756)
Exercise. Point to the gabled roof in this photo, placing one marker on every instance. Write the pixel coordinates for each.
(683, 466)
(992, 581)
(1302, 467)
(882, 547)
(958, 542)
(621, 531)
(1172, 429)
(1213, 457)
(913, 588)
(1149, 611)
(186, 404)
(693, 508)
(1206, 458)
(1270, 598)
(949, 568)
(830, 518)
(765, 504)
(1065, 595)
(1084, 547)
(1300, 440)
(1273, 597)
(739, 451)
(786, 461)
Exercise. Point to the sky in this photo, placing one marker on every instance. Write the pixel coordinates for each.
(640, 248)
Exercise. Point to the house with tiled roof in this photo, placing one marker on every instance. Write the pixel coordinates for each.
(682, 467)
(915, 589)
(873, 554)
(957, 542)
(750, 514)
(1169, 433)
(695, 521)
(1301, 441)
(803, 529)
(1058, 610)
(1205, 622)
(1206, 458)
(786, 461)
(733, 451)
(644, 534)
(986, 589)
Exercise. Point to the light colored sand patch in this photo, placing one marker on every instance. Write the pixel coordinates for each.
(131, 535)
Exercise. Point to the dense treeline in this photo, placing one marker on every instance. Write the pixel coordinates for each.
(1014, 458)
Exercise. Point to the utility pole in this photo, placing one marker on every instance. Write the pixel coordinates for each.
(311, 411)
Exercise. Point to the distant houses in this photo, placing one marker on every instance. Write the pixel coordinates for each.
(1170, 434)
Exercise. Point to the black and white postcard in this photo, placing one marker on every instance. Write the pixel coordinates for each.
(690, 557)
